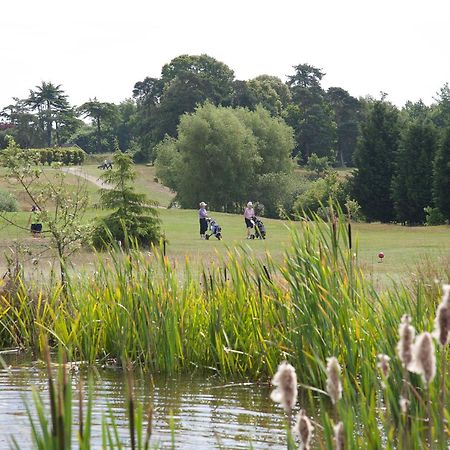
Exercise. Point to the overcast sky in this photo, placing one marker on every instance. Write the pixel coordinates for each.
(98, 48)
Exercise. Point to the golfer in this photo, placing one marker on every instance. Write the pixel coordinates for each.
(202, 215)
(249, 213)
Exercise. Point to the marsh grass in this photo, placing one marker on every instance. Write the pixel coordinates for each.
(237, 318)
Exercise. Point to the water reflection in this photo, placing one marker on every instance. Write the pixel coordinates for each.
(207, 413)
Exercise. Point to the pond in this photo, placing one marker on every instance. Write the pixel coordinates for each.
(207, 413)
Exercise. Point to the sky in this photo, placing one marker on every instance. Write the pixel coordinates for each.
(99, 48)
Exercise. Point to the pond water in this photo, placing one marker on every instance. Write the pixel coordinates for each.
(207, 413)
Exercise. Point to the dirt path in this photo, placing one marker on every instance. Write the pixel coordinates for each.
(79, 172)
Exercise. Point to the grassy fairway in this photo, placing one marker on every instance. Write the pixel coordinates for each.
(404, 247)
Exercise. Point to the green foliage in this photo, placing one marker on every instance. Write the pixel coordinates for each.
(317, 165)
(61, 205)
(64, 155)
(8, 202)
(135, 218)
(374, 159)
(168, 162)
(276, 193)
(347, 117)
(219, 154)
(321, 191)
(433, 216)
(269, 92)
(441, 176)
(218, 158)
(274, 139)
(412, 179)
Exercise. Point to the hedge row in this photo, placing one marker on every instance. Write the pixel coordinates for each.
(66, 155)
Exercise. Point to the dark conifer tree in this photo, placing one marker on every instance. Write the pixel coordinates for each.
(441, 176)
(374, 161)
(412, 180)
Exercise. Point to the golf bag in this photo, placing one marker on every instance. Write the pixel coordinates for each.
(260, 229)
(214, 229)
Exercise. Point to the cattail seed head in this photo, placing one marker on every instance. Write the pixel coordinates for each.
(404, 405)
(383, 365)
(424, 359)
(339, 436)
(303, 428)
(285, 392)
(442, 321)
(404, 346)
(334, 385)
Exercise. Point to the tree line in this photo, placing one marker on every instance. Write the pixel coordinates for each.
(255, 132)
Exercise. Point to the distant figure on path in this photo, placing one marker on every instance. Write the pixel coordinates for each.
(36, 225)
(202, 215)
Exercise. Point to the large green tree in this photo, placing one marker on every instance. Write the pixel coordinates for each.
(441, 175)
(310, 114)
(271, 93)
(218, 158)
(374, 159)
(274, 139)
(99, 112)
(186, 81)
(48, 100)
(347, 116)
(412, 179)
(222, 153)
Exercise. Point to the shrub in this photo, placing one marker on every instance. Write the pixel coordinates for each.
(433, 216)
(65, 155)
(8, 202)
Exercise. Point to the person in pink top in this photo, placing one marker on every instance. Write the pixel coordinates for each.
(249, 213)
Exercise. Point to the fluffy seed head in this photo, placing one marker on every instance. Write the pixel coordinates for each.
(285, 392)
(424, 359)
(404, 405)
(404, 346)
(383, 364)
(303, 428)
(442, 321)
(334, 385)
(339, 436)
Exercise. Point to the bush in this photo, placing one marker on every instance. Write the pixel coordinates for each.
(64, 155)
(276, 192)
(433, 216)
(8, 202)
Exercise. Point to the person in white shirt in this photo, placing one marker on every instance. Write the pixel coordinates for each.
(249, 214)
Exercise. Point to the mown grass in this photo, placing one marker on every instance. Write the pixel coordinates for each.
(404, 247)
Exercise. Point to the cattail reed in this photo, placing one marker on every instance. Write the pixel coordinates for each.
(285, 392)
(404, 405)
(442, 321)
(339, 436)
(424, 363)
(405, 344)
(148, 433)
(424, 359)
(441, 333)
(383, 365)
(334, 385)
(303, 428)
